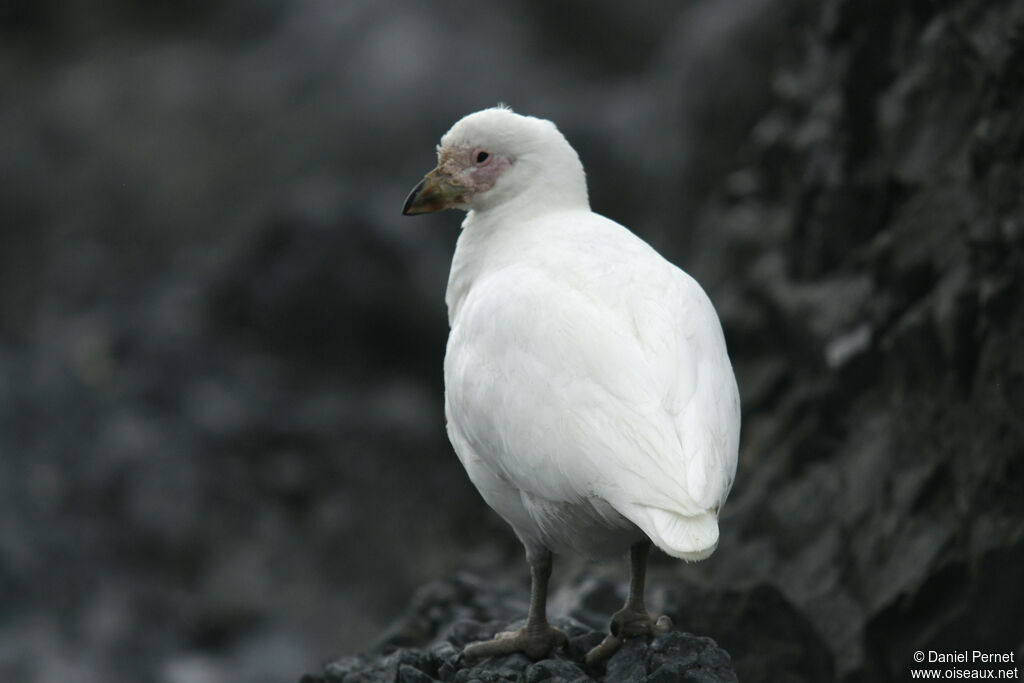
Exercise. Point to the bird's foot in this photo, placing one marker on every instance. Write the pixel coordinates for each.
(534, 642)
(627, 623)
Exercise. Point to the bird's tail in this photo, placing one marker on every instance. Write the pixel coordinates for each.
(688, 537)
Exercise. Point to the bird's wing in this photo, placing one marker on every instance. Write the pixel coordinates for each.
(682, 337)
(605, 380)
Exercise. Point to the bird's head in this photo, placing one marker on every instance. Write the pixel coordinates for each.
(495, 157)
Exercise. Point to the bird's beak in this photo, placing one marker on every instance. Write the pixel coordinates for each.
(437, 191)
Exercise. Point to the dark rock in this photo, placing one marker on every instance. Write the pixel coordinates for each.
(555, 671)
(670, 656)
(870, 480)
(408, 674)
(769, 639)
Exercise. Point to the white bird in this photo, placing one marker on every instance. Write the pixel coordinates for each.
(588, 390)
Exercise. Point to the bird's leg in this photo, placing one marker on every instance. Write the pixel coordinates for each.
(633, 619)
(537, 637)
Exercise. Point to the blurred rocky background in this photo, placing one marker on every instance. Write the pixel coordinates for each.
(222, 450)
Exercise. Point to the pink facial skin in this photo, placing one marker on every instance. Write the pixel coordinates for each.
(475, 168)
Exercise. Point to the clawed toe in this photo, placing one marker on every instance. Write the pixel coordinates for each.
(604, 650)
(627, 623)
(534, 643)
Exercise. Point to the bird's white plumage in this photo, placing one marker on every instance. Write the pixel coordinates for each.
(589, 394)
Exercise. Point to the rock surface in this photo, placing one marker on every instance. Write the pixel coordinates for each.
(877, 225)
(447, 615)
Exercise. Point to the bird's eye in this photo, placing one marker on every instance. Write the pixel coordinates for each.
(481, 157)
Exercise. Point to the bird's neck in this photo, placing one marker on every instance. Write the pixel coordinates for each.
(495, 238)
(476, 248)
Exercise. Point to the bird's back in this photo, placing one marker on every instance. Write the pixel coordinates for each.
(588, 387)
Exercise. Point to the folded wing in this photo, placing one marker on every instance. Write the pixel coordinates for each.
(616, 386)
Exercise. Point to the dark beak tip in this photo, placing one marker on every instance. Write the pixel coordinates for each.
(409, 208)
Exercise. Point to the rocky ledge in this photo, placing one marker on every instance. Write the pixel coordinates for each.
(426, 643)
